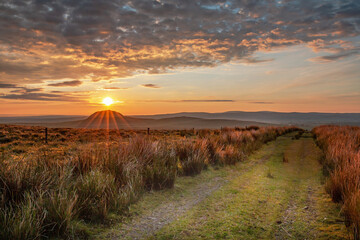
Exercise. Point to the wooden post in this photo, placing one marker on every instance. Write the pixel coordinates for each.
(46, 135)
(148, 131)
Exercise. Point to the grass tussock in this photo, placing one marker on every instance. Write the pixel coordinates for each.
(341, 161)
(22, 221)
(192, 156)
(46, 190)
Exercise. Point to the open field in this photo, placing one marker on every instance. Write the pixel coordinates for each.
(53, 189)
(243, 183)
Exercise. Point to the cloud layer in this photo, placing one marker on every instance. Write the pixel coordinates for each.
(66, 84)
(106, 39)
(150, 85)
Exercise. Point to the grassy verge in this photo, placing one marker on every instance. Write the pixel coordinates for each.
(341, 163)
(44, 193)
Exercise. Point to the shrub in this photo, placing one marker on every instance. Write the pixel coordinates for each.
(213, 148)
(342, 161)
(160, 171)
(88, 157)
(60, 208)
(96, 193)
(230, 155)
(192, 157)
(23, 221)
(351, 211)
(18, 177)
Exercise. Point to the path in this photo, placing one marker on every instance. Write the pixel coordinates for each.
(262, 198)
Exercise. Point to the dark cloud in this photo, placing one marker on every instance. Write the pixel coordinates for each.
(7, 85)
(19, 89)
(40, 97)
(105, 39)
(26, 90)
(251, 60)
(150, 85)
(66, 84)
(334, 57)
(30, 90)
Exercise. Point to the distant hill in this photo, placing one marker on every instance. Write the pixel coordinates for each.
(40, 119)
(114, 120)
(294, 118)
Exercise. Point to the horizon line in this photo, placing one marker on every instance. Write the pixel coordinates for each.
(263, 111)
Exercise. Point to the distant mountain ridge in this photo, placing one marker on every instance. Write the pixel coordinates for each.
(40, 118)
(296, 118)
(112, 119)
(115, 120)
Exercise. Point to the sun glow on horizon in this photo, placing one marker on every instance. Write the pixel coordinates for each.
(107, 101)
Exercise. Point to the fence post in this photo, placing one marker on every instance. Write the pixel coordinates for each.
(148, 131)
(46, 135)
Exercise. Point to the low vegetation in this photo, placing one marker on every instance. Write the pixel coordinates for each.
(261, 198)
(341, 146)
(51, 189)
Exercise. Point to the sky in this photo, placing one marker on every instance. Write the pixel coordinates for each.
(64, 57)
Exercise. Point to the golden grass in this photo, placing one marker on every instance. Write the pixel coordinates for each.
(341, 161)
(83, 175)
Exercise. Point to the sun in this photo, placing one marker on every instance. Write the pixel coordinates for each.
(108, 101)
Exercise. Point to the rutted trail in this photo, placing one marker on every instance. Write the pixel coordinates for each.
(146, 225)
(262, 198)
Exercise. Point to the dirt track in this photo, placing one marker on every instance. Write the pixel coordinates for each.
(263, 198)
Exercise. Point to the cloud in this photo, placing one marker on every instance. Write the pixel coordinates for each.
(334, 57)
(115, 88)
(209, 100)
(190, 101)
(353, 96)
(66, 84)
(40, 97)
(114, 38)
(150, 85)
(206, 101)
(102, 40)
(251, 60)
(19, 89)
(26, 90)
(7, 85)
(262, 102)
